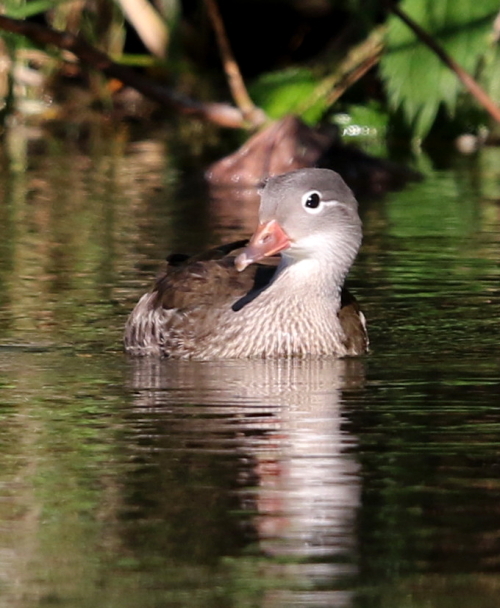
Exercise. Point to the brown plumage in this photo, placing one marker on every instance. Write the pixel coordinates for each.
(216, 305)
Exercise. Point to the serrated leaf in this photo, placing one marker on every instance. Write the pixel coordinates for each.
(415, 78)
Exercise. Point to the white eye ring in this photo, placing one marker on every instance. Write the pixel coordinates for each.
(311, 201)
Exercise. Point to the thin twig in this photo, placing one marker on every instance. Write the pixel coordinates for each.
(473, 87)
(235, 80)
(218, 113)
(358, 61)
(352, 77)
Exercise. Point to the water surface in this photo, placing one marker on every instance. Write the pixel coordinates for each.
(372, 482)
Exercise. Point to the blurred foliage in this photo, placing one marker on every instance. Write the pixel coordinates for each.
(415, 78)
(411, 82)
(367, 125)
(284, 92)
(23, 10)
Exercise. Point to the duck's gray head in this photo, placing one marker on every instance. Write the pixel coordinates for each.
(306, 214)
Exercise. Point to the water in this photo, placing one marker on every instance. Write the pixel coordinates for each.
(363, 483)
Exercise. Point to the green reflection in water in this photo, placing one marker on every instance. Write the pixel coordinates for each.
(78, 502)
(108, 502)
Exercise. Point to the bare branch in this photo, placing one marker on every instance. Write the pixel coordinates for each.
(472, 86)
(357, 62)
(254, 115)
(218, 113)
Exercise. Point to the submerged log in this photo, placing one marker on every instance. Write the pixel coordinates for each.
(285, 145)
(290, 144)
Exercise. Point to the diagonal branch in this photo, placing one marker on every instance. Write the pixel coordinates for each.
(472, 86)
(354, 66)
(238, 89)
(219, 113)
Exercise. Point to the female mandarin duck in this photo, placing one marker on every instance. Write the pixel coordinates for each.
(216, 305)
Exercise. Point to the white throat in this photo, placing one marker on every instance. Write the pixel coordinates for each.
(318, 266)
(309, 276)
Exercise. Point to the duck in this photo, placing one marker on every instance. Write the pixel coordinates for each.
(279, 294)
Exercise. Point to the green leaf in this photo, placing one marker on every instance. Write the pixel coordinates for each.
(29, 9)
(287, 91)
(415, 78)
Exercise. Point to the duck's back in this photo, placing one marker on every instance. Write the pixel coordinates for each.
(188, 300)
(195, 311)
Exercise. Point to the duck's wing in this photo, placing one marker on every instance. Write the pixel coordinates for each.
(353, 323)
(170, 318)
(208, 279)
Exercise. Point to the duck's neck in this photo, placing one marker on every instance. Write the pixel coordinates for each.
(312, 277)
(320, 265)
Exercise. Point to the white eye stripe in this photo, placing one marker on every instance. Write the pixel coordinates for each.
(312, 202)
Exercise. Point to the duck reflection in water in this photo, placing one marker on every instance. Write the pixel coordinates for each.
(292, 488)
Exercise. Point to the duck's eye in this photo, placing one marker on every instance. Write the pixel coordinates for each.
(311, 201)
